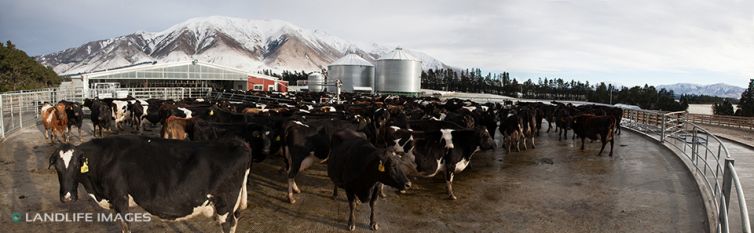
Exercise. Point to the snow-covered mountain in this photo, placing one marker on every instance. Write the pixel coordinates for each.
(718, 89)
(235, 42)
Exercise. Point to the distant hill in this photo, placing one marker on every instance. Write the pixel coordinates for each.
(235, 42)
(718, 89)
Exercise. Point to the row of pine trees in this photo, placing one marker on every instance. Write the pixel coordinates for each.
(745, 104)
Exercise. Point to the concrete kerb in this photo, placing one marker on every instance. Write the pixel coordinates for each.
(734, 140)
(710, 203)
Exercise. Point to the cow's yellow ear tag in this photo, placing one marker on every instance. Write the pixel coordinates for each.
(211, 112)
(381, 167)
(85, 167)
(277, 139)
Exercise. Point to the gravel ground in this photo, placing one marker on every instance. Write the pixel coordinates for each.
(553, 188)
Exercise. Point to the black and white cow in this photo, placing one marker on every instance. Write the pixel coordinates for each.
(510, 128)
(306, 143)
(359, 167)
(448, 151)
(171, 179)
(120, 112)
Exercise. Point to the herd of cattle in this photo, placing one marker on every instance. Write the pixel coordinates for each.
(201, 163)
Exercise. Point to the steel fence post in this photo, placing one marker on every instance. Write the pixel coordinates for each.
(693, 147)
(36, 108)
(727, 180)
(2, 115)
(20, 114)
(662, 133)
(12, 114)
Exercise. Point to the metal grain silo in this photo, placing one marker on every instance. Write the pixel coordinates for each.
(315, 81)
(354, 72)
(398, 72)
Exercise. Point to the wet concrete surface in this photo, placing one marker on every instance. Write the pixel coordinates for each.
(553, 188)
(744, 164)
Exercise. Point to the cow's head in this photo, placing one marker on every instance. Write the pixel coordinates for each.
(381, 117)
(88, 102)
(486, 142)
(74, 108)
(447, 138)
(260, 143)
(70, 164)
(105, 113)
(60, 111)
(361, 121)
(390, 171)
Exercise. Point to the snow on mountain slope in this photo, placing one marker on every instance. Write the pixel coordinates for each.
(718, 89)
(235, 42)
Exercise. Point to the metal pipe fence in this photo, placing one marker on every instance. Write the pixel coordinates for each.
(21, 108)
(248, 98)
(707, 155)
(745, 123)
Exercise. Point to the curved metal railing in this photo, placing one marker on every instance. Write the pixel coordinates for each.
(21, 108)
(705, 152)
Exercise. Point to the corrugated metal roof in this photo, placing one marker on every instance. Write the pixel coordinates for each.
(351, 60)
(398, 54)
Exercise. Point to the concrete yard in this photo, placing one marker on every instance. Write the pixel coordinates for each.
(553, 188)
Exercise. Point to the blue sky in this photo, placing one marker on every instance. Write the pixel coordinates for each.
(627, 42)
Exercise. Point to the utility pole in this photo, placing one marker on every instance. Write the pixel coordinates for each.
(611, 93)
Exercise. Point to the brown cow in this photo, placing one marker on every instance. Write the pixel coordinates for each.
(54, 119)
(256, 111)
(175, 128)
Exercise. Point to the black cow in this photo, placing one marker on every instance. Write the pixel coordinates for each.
(357, 166)
(101, 115)
(258, 136)
(138, 112)
(171, 179)
(563, 121)
(75, 116)
(591, 126)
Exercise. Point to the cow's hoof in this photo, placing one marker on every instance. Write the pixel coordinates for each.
(296, 190)
(351, 227)
(452, 197)
(374, 226)
(402, 192)
(382, 195)
(291, 199)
